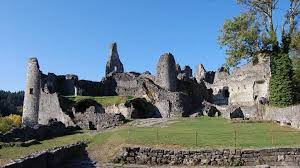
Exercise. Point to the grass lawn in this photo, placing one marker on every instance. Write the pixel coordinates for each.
(104, 101)
(9, 153)
(210, 132)
(180, 133)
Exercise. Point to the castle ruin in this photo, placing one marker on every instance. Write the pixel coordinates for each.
(32, 93)
(114, 63)
(172, 92)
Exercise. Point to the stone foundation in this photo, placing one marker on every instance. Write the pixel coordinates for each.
(225, 157)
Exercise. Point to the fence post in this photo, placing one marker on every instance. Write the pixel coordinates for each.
(235, 139)
(196, 138)
(128, 135)
(272, 136)
(157, 135)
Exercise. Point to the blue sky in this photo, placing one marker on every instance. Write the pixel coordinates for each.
(73, 36)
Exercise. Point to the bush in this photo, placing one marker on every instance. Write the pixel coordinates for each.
(9, 122)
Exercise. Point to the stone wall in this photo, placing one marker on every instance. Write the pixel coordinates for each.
(225, 157)
(244, 86)
(50, 109)
(88, 88)
(49, 158)
(285, 116)
(133, 84)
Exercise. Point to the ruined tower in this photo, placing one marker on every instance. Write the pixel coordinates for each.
(32, 93)
(166, 76)
(187, 70)
(200, 73)
(114, 63)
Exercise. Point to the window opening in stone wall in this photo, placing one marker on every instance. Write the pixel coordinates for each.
(31, 91)
(226, 92)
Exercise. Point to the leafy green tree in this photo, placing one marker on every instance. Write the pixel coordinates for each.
(253, 32)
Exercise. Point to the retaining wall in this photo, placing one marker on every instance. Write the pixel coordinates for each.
(225, 157)
(49, 158)
(286, 116)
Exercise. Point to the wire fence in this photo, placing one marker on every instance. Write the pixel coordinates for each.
(231, 139)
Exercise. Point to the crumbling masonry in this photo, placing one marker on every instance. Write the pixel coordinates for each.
(172, 92)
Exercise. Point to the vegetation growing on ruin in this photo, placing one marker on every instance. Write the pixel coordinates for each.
(177, 134)
(103, 100)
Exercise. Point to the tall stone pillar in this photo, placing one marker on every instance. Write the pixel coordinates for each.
(166, 76)
(32, 93)
(200, 73)
(114, 63)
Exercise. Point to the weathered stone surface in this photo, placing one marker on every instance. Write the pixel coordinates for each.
(285, 116)
(32, 93)
(210, 110)
(187, 70)
(244, 86)
(114, 64)
(226, 157)
(105, 120)
(178, 69)
(88, 114)
(126, 84)
(200, 73)
(142, 109)
(166, 76)
(120, 109)
(164, 107)
(50, 109)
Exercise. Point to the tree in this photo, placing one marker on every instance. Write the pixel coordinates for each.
(281, 84)
(11, 103)
(241, 35)
(238, 34)
(253, 32)
(295, 45)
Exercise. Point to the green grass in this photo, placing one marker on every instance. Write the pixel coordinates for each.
(211, 133)
(180, 133)
(104, 100)
(9, 153)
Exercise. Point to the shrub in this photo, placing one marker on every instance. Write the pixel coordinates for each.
(9, 122)
(16, 119)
